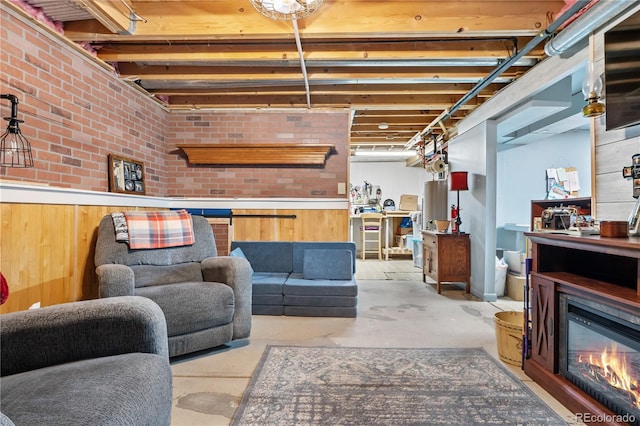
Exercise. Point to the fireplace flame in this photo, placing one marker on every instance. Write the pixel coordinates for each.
(611, 366)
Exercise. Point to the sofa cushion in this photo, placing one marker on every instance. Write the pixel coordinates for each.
(98, 391)
(348, 301)
(299, 247)
(274, 310)
(297, 285)
(237, 252)
(267, 256)
(327, 264)
(192, 306)
(268, 283)
(267, 299)
(150, 275)
(321, 311)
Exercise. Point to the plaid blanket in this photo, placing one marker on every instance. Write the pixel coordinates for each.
(158, 229)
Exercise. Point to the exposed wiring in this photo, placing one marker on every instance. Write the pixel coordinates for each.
(302, 64)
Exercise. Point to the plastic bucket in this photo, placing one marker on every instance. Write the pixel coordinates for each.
(509, 326)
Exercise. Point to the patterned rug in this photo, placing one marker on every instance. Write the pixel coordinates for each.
(375, 386)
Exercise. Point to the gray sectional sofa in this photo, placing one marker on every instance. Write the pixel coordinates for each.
(301, 278)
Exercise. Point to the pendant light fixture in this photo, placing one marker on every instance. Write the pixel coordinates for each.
(15, 150)
(286, 10)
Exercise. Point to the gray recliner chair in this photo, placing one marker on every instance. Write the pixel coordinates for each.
(95, 362)
(206, 298)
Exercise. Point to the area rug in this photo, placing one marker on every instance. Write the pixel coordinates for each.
(377, 386)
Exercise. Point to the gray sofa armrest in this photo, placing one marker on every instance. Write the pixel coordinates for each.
(236, 273)
(81, 330)
(115, 280)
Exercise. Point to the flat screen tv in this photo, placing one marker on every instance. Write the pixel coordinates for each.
(622, 73)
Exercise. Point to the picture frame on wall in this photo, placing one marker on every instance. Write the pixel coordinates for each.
(126, 175)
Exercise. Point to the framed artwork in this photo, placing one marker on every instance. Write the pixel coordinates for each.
(126, 175)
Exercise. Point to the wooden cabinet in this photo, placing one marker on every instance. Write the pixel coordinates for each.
(543, 315)
(446, 258)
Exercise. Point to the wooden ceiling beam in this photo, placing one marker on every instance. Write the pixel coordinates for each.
(365, 114)
(169, 52)
(381, 101)
(355, 142)
(244, 74)
(114, 15)
(413, 89)
(219, 19)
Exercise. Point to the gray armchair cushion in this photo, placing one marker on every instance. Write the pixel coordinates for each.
(148, 275)
(80, 330)
(110, 251)
(192, 306)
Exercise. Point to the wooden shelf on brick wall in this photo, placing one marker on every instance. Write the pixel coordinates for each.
(258, 154)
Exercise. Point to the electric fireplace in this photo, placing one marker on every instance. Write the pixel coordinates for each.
(599, 352)
(585, 324)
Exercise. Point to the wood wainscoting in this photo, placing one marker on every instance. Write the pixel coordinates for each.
(47, 250)
(290, 225)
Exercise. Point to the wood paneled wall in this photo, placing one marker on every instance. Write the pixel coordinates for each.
(47, 251)
(308, 225)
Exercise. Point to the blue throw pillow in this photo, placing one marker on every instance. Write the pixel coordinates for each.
(237, 252)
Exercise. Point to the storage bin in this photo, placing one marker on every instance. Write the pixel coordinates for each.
(417, 253)
(509, 326)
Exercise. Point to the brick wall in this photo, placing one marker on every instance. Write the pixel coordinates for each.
(76, 112)
(258, 127)
(221, 235)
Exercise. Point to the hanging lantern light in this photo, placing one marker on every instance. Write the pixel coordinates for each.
(592, 91)
(15, 150)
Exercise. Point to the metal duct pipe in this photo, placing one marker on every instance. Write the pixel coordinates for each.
(599, 14)
(569, 13)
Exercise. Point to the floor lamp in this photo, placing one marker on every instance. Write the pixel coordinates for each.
(458, 182)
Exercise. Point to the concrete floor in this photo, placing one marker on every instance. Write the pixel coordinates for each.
(395, 309)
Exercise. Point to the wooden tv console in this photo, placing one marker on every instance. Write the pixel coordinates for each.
(606, 270)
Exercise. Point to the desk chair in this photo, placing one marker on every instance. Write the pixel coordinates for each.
(372, 227)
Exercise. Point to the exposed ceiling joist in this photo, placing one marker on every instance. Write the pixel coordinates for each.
(402, 62)
(116, 16)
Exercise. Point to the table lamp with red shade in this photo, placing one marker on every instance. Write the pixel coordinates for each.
(458, 182)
